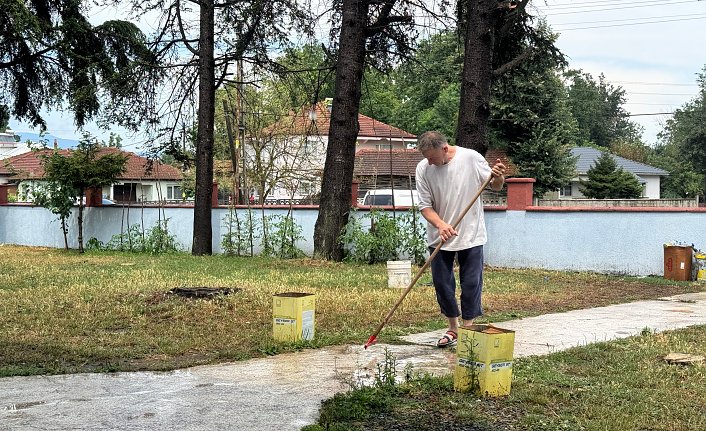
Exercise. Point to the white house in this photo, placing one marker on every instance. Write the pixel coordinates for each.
(9, 146)
(304, 137)
(649, 176)
(142, 181)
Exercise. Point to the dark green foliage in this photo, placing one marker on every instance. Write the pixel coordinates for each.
(4, 117)
(607, 181)
(547, 160)
(598, 110)
(683, 147)
(52, 57)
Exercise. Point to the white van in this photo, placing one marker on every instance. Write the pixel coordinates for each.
(383, 197)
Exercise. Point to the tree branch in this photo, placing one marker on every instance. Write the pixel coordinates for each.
(526, 54)
(516, 11)
(26, 58)
(183, 34)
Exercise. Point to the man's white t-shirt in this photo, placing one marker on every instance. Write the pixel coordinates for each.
(448, 189)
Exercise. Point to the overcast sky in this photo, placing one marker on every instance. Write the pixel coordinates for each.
(651, 48)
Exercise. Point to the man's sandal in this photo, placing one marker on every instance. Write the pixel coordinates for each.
(448, 339)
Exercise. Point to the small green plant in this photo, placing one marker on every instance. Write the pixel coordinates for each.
(387, 238)
(156, 240)
(283, 233)
(414, 243)
(386, 373)
(241, 231)
(468, 357)
(94, 244)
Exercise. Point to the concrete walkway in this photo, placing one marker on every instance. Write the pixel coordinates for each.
(284, 392)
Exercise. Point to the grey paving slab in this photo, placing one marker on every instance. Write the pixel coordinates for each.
(284, 392)
(549, 333)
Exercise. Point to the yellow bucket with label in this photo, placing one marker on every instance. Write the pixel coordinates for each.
(293, 316)
(484, 360)
(701, 266)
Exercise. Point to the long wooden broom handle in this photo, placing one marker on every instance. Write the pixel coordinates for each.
(371, 340)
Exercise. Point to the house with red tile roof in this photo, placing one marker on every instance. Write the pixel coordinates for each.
(305, 135)
(384, 169)
(143, 180)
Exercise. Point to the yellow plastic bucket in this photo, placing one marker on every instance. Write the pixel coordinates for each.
(484, 360)
(293, 316)
(701, 266)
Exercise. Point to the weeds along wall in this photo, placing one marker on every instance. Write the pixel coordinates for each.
(621, 241)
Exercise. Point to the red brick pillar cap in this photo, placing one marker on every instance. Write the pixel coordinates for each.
(520, 180)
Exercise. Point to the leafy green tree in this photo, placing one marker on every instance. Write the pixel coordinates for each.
(498, 37)
(200, 56)
(83, 168)
(546, 159)
(598, 109)
(683, 142)
(51, 57)
(59, 199)
(607, 181)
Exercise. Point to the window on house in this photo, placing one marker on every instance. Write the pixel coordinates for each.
(566, 190)
(125, 192)
(306, 188)
(382, 146)
(174, 193)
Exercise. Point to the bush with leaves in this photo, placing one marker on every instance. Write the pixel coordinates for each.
(283, 233)
(241, 233)
(156, 240)
(383, 241)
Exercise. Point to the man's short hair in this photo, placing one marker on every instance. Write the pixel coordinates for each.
(431, 139)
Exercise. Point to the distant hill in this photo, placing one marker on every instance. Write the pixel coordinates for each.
(49, 138)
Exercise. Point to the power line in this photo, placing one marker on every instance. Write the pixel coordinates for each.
(653, 83)
(650, 113)
(629, 19)
(634, 23)
(598, 3)
(631, 5)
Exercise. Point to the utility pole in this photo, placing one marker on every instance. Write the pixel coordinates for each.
(245, 194)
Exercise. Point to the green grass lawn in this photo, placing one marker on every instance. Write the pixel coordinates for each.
(63, 312)
(614, 386)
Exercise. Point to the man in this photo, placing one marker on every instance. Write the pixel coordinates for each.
(447, 179)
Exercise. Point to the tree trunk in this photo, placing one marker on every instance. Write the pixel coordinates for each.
(202, 241)
(65, 231)
(82, 198)
(477, 77)
(336, 186)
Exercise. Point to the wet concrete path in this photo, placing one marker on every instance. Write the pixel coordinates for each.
(284, 392)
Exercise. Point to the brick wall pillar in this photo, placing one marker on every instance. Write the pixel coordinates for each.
(94, 196)
(354, 194)
(214, 195)
(3, 193)
(519, 193)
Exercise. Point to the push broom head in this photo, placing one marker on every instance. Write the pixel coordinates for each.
(370, 342)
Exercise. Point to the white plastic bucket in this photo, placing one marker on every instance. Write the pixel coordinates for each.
(399, 273)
